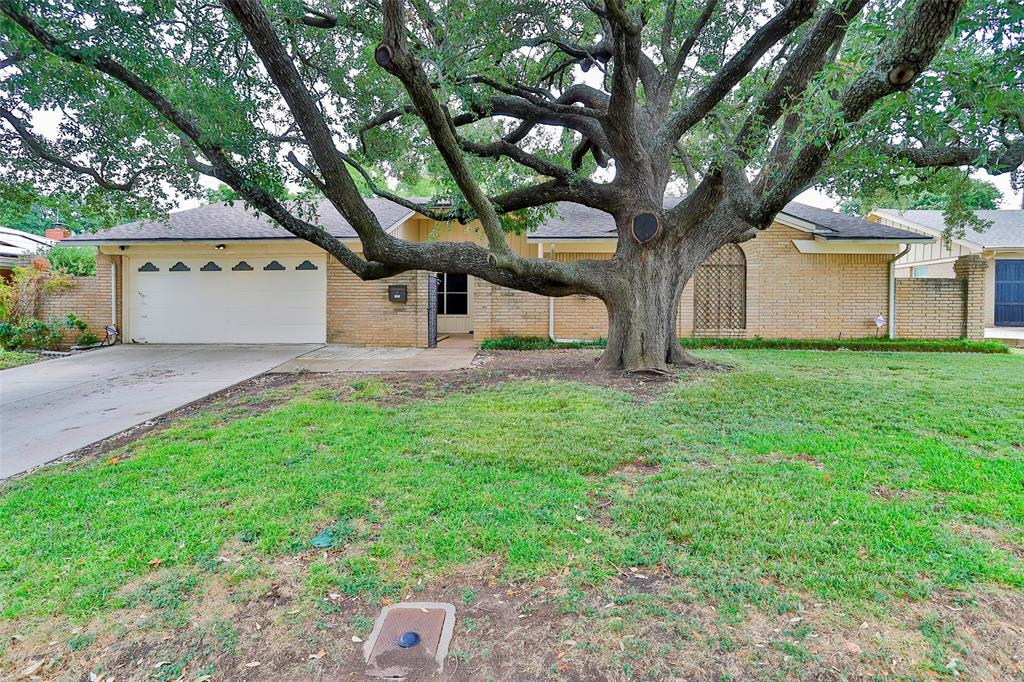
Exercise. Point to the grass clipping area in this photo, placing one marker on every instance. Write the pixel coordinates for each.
(863, 344)
(768, 511)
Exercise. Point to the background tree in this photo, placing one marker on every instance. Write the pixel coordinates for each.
(946, 189)
(739, 104)
(24, 207)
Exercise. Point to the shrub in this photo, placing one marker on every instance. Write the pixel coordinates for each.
(865, 344)
(20, 296)
(536, 343)
(87, 339)
(30, 333)
(77, 261)
(18, 301)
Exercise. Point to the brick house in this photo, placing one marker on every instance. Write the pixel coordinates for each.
(221, 274)
(996, 252)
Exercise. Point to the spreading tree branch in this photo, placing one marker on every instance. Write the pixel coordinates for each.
(41, 150)
(795, 13)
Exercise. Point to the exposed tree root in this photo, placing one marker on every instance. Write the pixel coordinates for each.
(651, 373)
(680, 358)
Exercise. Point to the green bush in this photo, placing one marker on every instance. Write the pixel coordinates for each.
(79, 261)
(87, 339)
(32, 333)
(536, 343)
(865, 344)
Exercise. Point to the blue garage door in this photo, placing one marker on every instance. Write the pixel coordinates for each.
(1010, 293)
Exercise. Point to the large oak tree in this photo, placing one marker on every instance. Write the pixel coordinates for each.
(738, 105)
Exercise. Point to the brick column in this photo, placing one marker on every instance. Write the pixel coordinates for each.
(482, 310)
(971, 271)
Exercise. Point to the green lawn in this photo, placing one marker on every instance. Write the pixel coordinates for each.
(854, 478)
(835, 473)
(13, 358)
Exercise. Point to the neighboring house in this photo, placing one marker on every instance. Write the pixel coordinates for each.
(220, 274)
(18, 248)
(1001, 245)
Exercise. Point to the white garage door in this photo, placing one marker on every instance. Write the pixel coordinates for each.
(227, 299)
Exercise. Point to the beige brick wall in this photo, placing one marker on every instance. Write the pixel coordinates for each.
(788, 294)
(498, 312)
(580, 317)
(934, 308)
(928, 308)
(88, 298)
(798, 295)
(360, 313)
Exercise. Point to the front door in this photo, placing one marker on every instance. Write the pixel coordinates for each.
(1009, 293)
(453, 304)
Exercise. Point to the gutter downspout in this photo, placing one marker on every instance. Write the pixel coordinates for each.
(892, 290)
(551, 309)
(113, 292)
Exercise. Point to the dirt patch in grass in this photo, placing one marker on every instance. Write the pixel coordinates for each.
(990, 536)
(244, 616)
(891, 494)
(642, 624)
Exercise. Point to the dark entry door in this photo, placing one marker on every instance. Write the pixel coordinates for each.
(1010, 293)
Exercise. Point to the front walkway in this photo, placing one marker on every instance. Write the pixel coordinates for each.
(1011, 336)
(453, 352)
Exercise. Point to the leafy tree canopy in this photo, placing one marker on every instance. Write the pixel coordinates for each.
(737, 105)
(948, 190)
(24, 207)
(934, 192)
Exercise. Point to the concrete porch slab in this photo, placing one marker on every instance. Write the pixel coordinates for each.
(342, 358)
(1011, 336)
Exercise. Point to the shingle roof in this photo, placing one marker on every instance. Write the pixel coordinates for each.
(832, 225)
(230, 222)
(1007, 229)
(573, 221)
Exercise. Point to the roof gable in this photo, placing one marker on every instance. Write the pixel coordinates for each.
(1006, 229)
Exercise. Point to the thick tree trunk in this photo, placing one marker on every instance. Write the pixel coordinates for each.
(643, 314)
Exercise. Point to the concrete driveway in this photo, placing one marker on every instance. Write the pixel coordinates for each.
(49, 409)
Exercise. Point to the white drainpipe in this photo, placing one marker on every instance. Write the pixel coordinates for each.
(113, 292)
(551, 310)
(892, 291)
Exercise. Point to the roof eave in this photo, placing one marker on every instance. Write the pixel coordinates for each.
(894, 215)
(839, 239)
(187, 240)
